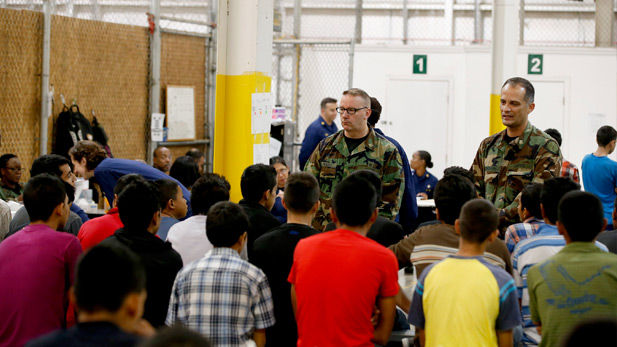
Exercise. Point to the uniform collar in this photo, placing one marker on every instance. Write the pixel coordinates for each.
(520, 141)
(367, 145)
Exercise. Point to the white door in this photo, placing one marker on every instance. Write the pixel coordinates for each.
(549, 111)
(416, 115)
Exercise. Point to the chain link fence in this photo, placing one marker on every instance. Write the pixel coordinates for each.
(304, 73)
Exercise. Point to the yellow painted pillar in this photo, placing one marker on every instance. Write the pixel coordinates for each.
(504, 50)
(244, 67)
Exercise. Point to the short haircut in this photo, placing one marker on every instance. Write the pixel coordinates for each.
(168, 190)
(42, 194)
(530, 92)
(605, 135)
(593, 331)
(4, 159)
(277, 160)
(207, 191)
(426, 156)
(176, 336)
(185, 170)
(372, 178)
(301, 192)
(225, 224)
(354, 200)
(582, 215)
(530, 199)
(195, 153)
(256, 179)
(361, 93)
(552, 191)
(478, 219)
(451, 193)
(157, 150)
(125, 181)
(137, 203)
(49, 163)
(375, 112)
(92, 151)
(555, 134)
(106, 275)
(461, 171)
(327, 101)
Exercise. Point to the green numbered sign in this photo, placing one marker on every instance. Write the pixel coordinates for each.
(535, 64)
(419, 64)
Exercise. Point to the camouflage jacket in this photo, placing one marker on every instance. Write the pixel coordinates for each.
(501, 170)
(8, 194)
(331, 162)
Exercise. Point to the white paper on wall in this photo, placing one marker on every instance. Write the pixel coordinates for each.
(261, 113)
(156, 126)
(261, 153)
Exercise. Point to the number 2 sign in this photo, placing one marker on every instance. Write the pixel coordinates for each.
(535, 64)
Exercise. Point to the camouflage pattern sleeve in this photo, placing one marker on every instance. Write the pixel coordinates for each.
(477, 167)
(312, 164)
(547, 164)
(393, 185)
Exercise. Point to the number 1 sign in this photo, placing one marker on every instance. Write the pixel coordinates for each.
(535, 64)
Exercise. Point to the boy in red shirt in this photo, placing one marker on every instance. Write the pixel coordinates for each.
(338, 277)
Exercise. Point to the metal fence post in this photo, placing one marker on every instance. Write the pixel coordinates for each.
(45, 111)
(155, 69)
(358, 32)
(211, 75)
(521, 26)
(405, 22)
(478, 32)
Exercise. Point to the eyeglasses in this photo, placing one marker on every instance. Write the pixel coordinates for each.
(282, 171)
(14, 169)
(350, 111)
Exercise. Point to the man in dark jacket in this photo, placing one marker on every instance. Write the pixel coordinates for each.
(258, 185)
(138, 206)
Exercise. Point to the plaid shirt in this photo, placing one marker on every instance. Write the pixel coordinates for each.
(223, 297)
(570, 170)
(516, 233)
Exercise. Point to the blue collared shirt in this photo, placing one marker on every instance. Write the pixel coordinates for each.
(317, 131)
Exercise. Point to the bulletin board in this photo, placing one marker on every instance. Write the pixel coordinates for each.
(180, 113)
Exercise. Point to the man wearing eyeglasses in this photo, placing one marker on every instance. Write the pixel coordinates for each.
(10, 172)
(356, 147)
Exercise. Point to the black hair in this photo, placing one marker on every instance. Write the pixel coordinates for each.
(49, 163)
(105, 275)
(530, 199)
(125, 181)
(176, 336)
(168, 190)
(42, 194)
(552, 191)
(582, 215)
(4, 159)
(426, 156)
(372, 178)
(256, 179)
(70, 191)
(195, 153)
(354, 200)
(301, 192)
(185, 170)
(207, 191)
(598, 332)
(461, 171)
(555, 134)
(530, 92)
(277, 160)
(326, 101)
(137, 203)
(478, 219)
(375, 112)
(225, 224)
(604, 136)
(451, 193)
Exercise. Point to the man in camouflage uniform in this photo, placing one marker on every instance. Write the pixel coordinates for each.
(509, 160)
(356, 147)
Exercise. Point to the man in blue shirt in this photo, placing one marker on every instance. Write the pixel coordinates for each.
(600, 172)
(409, 206)
(321, 128)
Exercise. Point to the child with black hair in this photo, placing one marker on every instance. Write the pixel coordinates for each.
(530, 212)
(173, 205)
(463, 300)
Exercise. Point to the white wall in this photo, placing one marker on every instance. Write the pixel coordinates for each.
(588, 75)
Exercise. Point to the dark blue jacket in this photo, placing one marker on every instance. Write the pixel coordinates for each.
(409, 206)
(317, 131)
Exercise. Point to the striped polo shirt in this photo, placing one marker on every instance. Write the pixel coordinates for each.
(546, 243)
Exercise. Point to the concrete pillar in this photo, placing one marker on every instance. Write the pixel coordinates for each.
(244, 64)
(504, 49)
(604, 23)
